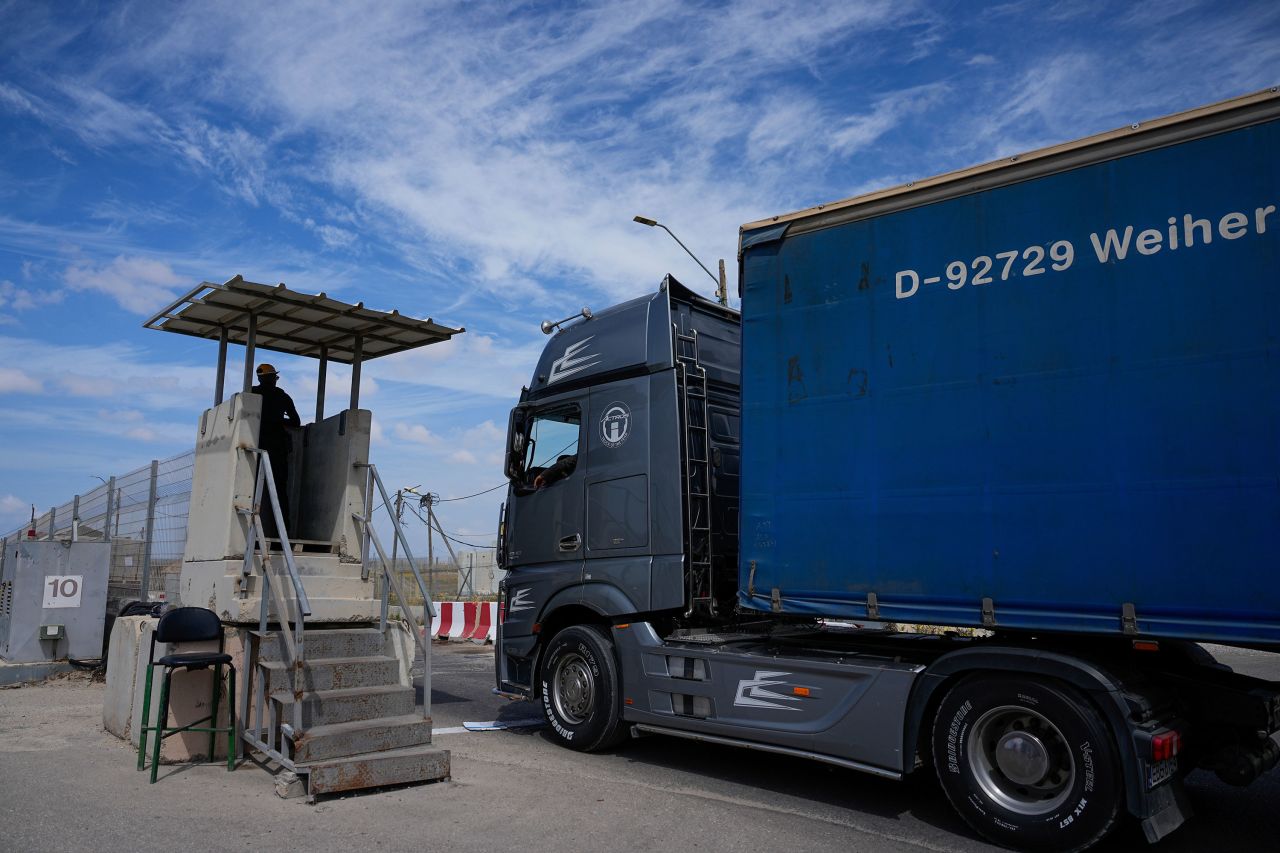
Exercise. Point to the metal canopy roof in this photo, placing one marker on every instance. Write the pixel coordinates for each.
(295, 323)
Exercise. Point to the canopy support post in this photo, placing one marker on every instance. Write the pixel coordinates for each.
(355, 372)
(249, 344)
(324, 372)
(222, 366)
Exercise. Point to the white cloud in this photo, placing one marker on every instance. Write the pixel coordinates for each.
(981, 59)
(140, 285)
(10, 504)
(415, 433)
(482, 434)
(14, 298)
(470, 363)
(121, 415)
(858, 132)
(463, 457)
(332, 235)
(531, 154)
(81, 385)
(15, 100)
(102, 370)
(15, 381)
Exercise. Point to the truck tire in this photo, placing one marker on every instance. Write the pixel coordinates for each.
(581, 691)
(1028, 764)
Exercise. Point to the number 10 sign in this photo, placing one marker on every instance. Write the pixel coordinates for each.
(62, 590)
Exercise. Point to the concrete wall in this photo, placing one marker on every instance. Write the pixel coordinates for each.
(331, 487)
(480, 569)
(222, 479)
(189, 694)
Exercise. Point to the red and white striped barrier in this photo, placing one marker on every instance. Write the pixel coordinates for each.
(465, 620)
(486, 627)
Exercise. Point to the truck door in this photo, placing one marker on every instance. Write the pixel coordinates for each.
(546, 517)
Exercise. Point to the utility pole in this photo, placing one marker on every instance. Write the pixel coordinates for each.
(395, 540)
(432, 521)
(431, 556)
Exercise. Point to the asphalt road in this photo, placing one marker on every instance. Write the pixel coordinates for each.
(817, 801)
(66, 785)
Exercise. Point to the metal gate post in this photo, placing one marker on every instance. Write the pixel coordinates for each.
(145, 592)
(106, 515)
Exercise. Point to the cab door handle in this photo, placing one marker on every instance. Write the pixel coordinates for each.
(571, 543)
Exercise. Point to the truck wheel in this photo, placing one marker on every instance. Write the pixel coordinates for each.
(1028, 764)
(580, 689)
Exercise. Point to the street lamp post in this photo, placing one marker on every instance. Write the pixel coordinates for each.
(721, 289)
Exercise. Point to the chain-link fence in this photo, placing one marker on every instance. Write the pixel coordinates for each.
(144, 515)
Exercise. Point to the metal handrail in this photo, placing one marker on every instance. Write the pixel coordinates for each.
(268, 480)
(256, 540)
(428, 606)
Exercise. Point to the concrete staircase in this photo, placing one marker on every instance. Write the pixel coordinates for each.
(361, 727)
(335, 588)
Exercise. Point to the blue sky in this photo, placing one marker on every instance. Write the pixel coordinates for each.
(480, 164)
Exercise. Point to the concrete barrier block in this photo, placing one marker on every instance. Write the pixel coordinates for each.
(189, 694)
(400, 644)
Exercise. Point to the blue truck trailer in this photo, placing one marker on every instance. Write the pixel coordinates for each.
(1038, 400)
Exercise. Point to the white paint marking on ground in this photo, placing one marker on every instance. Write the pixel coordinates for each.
(499, 725)
(491, 726)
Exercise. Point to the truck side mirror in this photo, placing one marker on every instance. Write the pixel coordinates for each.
(515, 443)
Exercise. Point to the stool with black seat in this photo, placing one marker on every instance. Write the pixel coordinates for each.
(188, 625)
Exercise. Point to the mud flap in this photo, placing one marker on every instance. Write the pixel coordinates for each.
(1168, 808)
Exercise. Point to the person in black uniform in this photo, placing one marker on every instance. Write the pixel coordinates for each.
(278, 417)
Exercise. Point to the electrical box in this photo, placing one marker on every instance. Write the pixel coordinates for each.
(53, 600)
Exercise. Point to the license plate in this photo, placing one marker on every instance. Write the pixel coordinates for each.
(1161, 771)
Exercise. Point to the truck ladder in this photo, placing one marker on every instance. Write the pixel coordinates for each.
(695, 453)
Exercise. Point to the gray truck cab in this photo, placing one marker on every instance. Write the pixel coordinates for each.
(623, 449)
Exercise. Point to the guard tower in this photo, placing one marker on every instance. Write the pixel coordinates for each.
(323, 688)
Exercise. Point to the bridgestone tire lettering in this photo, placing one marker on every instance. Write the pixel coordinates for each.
(1086, 804)
(601, 724)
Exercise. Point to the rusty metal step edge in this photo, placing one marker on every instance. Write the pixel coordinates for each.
(371, 770)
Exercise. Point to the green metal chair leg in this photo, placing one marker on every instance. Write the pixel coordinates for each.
(162, 720)
(213, 720)
(231, 719)
(146, 707)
